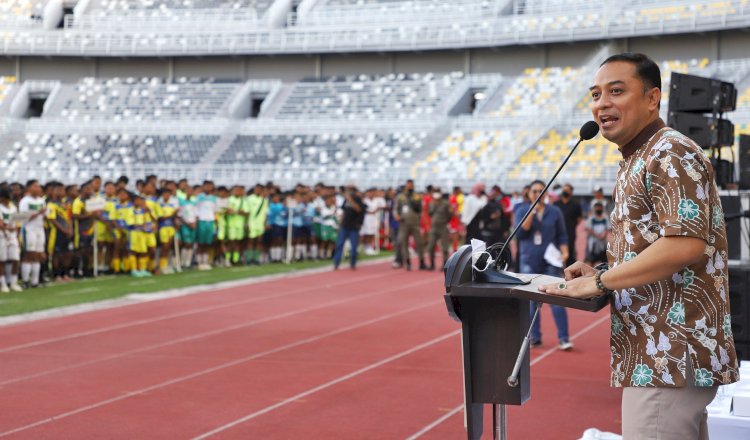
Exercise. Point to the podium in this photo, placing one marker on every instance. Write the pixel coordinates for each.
(494, 310)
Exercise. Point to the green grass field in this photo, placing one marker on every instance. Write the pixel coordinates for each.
(111, 286)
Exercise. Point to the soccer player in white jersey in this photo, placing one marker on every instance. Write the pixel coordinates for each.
(10, 251)
(33, 233)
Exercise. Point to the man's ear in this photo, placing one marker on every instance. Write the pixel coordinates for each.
(654, 99)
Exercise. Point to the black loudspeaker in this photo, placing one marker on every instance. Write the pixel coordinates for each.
(744, 161)
(731, 205)
(706, 131)
(739, 302)
(690, 93)
(743, 350)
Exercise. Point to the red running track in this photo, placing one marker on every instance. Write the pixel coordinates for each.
(369, 354)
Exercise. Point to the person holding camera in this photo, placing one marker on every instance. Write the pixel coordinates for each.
(352, 217)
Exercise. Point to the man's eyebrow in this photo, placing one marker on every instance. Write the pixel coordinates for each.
(611, 83)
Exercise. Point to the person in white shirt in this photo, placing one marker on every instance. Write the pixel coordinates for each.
(473, 203)
(374, 206)
(10, 251)
(33, 233)
(207, 205)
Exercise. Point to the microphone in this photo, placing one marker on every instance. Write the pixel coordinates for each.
(587, 131)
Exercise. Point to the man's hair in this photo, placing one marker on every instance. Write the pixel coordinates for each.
(645, 68)
(31, 182)
(537, 182)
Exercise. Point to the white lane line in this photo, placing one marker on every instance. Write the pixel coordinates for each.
(179, 314)
(140, 298)
(437, 422)
(210, 370)
(329, 384)
(536, 360)
(212, 332)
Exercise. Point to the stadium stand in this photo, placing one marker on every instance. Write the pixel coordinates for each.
(102, 152)
(542, 85)
(142, 98)
(321, 126)
(172, 15)
(392, 96)
(20, 14)
(334, 150)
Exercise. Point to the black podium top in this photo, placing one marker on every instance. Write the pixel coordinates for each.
(461, 281)
(530, 292)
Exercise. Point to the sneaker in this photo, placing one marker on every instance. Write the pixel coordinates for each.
(536, 343)
(16, 288)
(4, 288)
(566, 345)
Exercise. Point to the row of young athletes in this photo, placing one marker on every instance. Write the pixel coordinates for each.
(136, 233)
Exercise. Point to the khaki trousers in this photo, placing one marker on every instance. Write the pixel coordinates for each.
(666, 413)
(405, 229)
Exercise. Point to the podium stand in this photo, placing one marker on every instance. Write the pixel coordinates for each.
(495, 320)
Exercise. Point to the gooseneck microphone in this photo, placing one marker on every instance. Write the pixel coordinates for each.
(587, 131)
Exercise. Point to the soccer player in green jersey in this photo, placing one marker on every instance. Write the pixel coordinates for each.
(235, 224)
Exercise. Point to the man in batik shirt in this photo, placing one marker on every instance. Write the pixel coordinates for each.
(671, 336)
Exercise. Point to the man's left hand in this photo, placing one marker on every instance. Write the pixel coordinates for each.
(583, 287)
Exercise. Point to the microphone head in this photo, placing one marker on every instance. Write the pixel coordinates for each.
(589, 130)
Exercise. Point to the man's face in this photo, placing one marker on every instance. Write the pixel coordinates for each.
(35, 190)
(619, 104)
(86, 191)
(109, 190)
(568, 190)
(534, 192)
(409, 186)
(96, 185)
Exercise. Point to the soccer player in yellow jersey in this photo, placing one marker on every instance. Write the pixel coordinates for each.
(60, 233)
(141, 227)
(169, 207)
(153, 208)
(105, 234)
(84, 222)
(122, 259)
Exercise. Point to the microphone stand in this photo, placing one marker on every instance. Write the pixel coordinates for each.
(501, 276)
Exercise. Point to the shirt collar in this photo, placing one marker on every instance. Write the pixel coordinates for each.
(641, 138)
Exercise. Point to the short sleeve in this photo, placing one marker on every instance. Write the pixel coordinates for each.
(77, 206)
(679, 182)
(51, 213)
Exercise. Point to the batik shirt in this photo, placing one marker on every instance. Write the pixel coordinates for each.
(665, 187)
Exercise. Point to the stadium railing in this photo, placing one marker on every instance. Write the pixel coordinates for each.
(576, 24)
(180, 20)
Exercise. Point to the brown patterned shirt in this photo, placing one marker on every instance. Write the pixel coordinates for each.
(665, 187)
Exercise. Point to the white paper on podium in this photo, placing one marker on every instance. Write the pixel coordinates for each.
(553, 256)
(477, 247)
